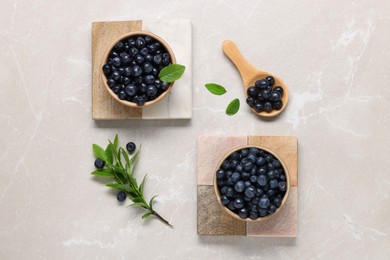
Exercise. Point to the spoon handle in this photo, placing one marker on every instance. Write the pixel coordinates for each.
(244, 67)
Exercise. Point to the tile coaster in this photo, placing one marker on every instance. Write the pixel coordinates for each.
(176, 105)
(212, 218)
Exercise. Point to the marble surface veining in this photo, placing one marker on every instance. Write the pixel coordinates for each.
(334, 57)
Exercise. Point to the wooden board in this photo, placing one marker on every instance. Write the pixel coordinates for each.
(177, 104)
(212, 219)
(103, 105)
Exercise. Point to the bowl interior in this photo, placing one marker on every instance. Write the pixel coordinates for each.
(105, 59)
(218, 194)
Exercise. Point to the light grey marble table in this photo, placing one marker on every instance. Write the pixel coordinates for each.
(333, 55)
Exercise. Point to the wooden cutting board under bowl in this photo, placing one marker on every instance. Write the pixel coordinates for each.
(213, 219)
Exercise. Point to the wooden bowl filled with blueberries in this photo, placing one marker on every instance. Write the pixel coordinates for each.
(251, 183)
(131, 67)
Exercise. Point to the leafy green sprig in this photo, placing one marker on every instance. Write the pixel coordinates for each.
(123, 174)
(219, 90)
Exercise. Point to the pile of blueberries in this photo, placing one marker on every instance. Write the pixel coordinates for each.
(252, 183)
(133, 66)
(264, 96)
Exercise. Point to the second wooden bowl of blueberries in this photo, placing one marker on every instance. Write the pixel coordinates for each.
(251, 183)
(131, 67)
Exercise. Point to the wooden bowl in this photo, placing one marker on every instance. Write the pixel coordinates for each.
(105, 58)
(217, 193)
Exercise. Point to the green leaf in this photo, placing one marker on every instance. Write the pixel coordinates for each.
(151, 201)
(120, 187)
(141, 186)
(134, 160)
(103, 173)
(116, 142)
(109, 155)
(99, 152)
(171, 72)
(215, 89)
(125, 156)
(233, 107)
(146, 215)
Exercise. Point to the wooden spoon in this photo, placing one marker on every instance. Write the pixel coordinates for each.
(250, 75)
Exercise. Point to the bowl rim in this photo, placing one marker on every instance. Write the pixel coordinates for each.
(218, 195)
(105, 57)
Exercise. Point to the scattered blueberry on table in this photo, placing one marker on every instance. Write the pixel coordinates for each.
(264, 96)
(121, 196)
(252, 183)
(99, 163)
(130, 147)
(133, 66)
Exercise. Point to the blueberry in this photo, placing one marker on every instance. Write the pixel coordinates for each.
(147, 67)
(254, 207)
(279, 90)
(253, 215)
(126, 58)
(131, 90)
(239, 186)
(152, 47)
(133, 51)
(259, 107)
(224, 200)
(121, 196)
(282, 177)
(140, 42)
(151, 90)
(140, 100)
(229, 192)
(110, 82)
(253, 179)
(275, 96)
(138, 80)
(130, 147)
(234, 163)
(262, 170)
(247, 184)
(239, 168)
(277, 201)
(273, 184)
(166, 59)
(116, 61)
(244, 152)
(252, 92)
(231, 206)
(262, 84)
(282, 186)
(238, 203)
(136, 71)
(236, 177)
(106, 69)
(220, 174)
(245, 176)
(277, 105)
(223, 189)
(144, 51)
(165, 86)
(157, 59)
(158, 46)
(243, 213)
(250, 192)
(116, 76)
(247, 165)
(265, 94)
(235, 156)
(139, 59)
(269, 158)
(99, 163)
(262, 180)
(116, 89)
(263, 212)
(149, 79)
(250, 101)
(122, 95)
(127, 71)
(154, 72)
(221, 183)
(225, 165)
(264, 203)
(131, 42)
(229, 174)
(252, 157)
(271, 209)
(271, 193)
(270, 80)
(148, 39)
(254, 150)
(260, 161)
(142, 88)
(114, 54)
(149, 58)
(271, 174)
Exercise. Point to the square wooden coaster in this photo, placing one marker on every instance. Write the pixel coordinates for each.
(213, 219)
(176, 105)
